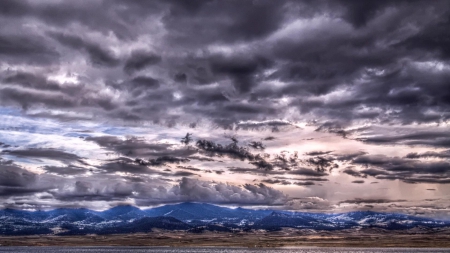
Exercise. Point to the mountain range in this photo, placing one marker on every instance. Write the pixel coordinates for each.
(195, 218)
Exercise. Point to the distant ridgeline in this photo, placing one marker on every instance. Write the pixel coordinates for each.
(196, 218)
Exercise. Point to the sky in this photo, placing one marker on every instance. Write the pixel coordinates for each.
(318, 106)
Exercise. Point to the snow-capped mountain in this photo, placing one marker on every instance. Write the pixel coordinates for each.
(195, 217)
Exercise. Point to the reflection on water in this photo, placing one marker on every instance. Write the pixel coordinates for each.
(206, 250)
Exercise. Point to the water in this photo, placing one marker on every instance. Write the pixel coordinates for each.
(211, 249)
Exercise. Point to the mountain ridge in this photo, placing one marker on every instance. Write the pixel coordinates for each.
(196, 217)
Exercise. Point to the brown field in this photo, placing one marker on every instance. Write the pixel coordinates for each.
(285, 238)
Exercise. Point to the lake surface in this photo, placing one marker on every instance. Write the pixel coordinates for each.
(206, 250)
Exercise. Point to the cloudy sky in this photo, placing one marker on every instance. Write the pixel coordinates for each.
(325, 106)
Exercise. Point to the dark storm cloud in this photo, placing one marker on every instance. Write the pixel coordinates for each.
(53, 154)
(405, 169)
(395, 164)
(97, 54)
(145, 82)
(15, 176)
(28, 90)
(322, 163)
(140, 148)
(253, 171)
(274, 125)
(318, 153)
(28, 97)
(188, 168)
(231, 150)
(30, 80)
(184, 174)
(217, 21)
(354, 173)
(131, 168)
(276, 181)
(285, 182)
(112, 18)
(15, 180)
(265, 162)
(25, 49)
(65, 171)
(140, 60)
(432, 38)
(308, 172)
(167, 159)
(378, 67)
(429, 154)
(371, 201)
(422, 138)
(307, 183)
(240, 71)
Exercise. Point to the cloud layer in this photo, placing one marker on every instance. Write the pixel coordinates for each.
(300, 104)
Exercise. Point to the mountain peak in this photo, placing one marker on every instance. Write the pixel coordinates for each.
(124, 207)
(121, 209)
(279, 214)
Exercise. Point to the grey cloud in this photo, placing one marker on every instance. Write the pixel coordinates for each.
(32, 90)
(253, 171)
(241, 71)
(188, 168)
(89, 191)
(112, 167)
(354, 173)
(318, 153)
(427, 180)
(162, 161)
(97, 55)
(145, 82)
(429, 154)
(221, 193)
(65, 171)
(308, 172)
(372, 62)
(407, 170)
(371, 201)
(15, 180)
(231, 150)
(307, 183)
(322, 163)
(184, 174)
(313, 179)
(309, 203)
(136, 147)
(274, 125)
(26, 50)
(26, 98)
(139, 60)
(43, 153)
(276, 181)
(31, 80)
(225, 24)
(428, 138)
(15, 176)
